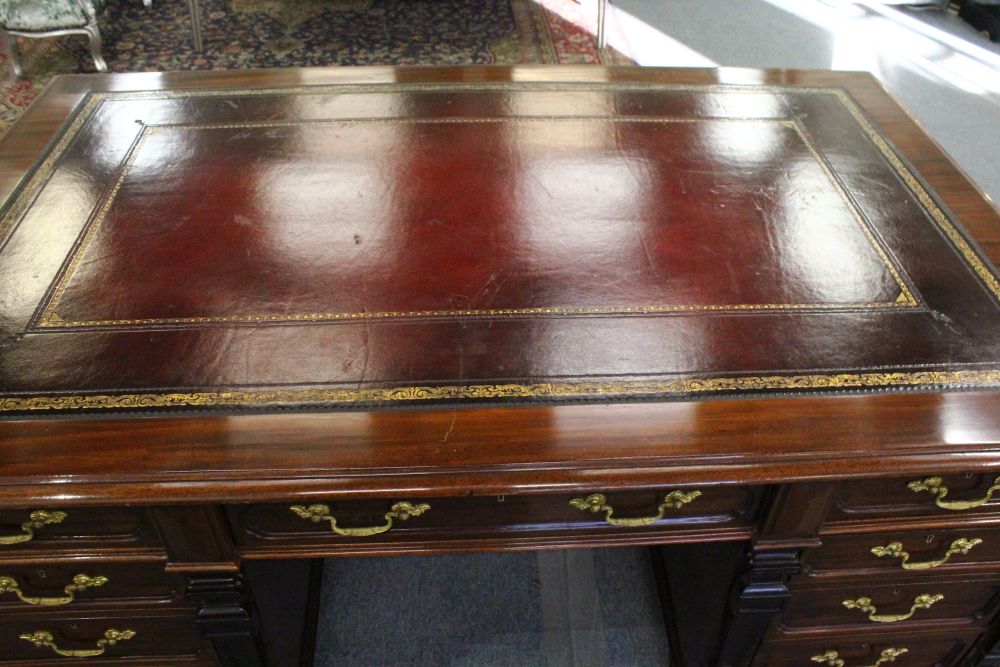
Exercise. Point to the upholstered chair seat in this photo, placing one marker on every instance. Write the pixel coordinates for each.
(45, 15)
(50, 18)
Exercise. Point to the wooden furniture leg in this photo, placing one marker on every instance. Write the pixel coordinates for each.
(762, 594)
(225, 618)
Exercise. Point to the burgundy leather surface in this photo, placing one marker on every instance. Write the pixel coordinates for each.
(330, 245)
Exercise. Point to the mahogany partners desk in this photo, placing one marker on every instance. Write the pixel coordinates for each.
(250, 319)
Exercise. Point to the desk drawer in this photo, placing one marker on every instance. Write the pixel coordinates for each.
(880, 607)
(917, 553)
(400, 520)
(85, 583)
(909, 649)
(142, 638)
(46, 530)
(917, 496)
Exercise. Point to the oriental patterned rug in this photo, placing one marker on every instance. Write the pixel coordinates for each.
(306, 33)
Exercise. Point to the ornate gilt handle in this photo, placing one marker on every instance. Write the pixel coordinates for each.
(833, 659)
(597, 502)
(935, 486)
(399, 512)
(36, 520)
(961, 546)
(80, 582)
(865, 605)
(44, 638)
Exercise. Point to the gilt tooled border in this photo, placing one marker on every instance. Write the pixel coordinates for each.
(565, 390)
(90, 103)
(50, 318)
(957, 239)
(38, 174)
(276, 398)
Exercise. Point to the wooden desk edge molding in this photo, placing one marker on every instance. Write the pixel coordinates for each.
(441, 359)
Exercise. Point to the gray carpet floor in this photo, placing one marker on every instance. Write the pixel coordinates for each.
(579, 608)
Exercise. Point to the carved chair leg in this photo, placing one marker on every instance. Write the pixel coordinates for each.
(10, 48)
(94, 34)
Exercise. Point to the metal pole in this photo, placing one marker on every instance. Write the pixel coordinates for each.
(195, 24)
(602, 8)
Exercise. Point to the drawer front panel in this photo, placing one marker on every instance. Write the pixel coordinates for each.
(929, 495)
(655, 510)
(910, 650)
(141, 638)
(887, 607)
(917, 553)
(47, 529)
(85, 583)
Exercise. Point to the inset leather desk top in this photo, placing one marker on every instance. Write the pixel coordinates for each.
(478, 237)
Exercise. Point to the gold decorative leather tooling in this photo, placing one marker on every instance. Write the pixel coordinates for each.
(597, 502)
(44, 638)
(36, 520)
(106, 275)
(935, 486)
(80, 582)
(865, 605)
(400, 511)
(962, 545)
(833, 659)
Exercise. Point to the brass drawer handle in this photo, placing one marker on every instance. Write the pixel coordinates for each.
(44, 638)
(961, 546)
(400, 511)
(597, 502)
(833, 659)
(936, 487)
(36, 520)
(80, 582)
(865, 605)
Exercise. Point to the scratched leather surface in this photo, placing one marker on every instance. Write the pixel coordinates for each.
(374, 239)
